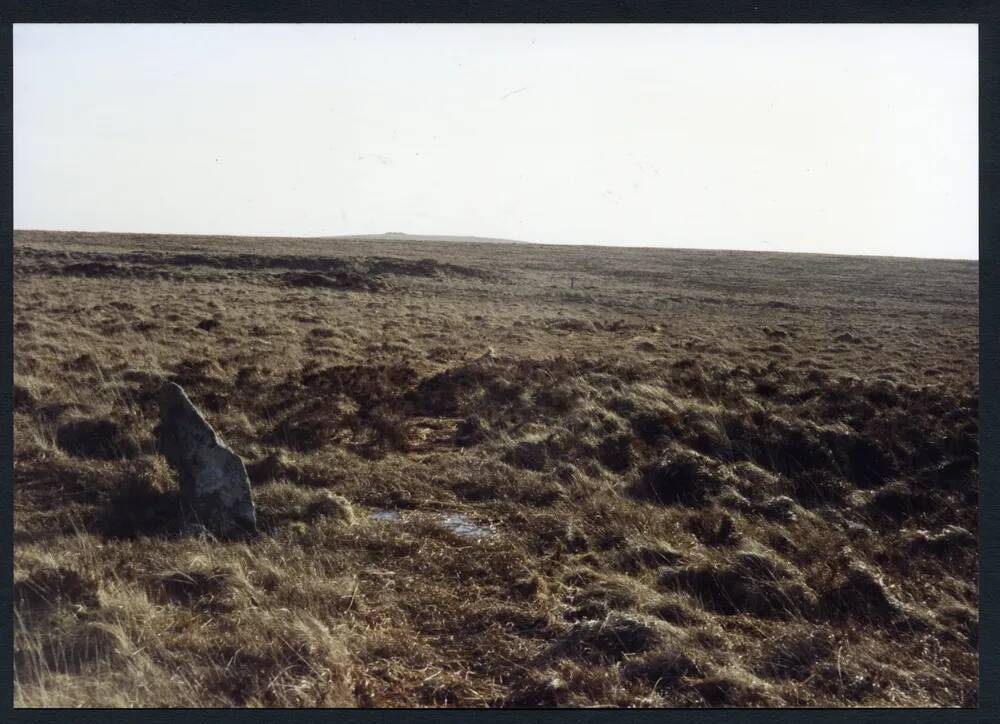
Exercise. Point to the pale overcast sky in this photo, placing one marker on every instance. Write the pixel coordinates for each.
(825, 138)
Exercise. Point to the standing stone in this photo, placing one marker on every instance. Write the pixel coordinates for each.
(213, 479)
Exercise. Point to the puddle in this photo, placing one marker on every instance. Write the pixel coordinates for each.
(458, 523)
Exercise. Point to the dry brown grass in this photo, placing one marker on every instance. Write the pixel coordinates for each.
(712, 478)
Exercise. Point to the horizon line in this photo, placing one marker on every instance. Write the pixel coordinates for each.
(450, 238)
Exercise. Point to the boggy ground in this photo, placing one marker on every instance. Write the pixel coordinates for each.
(702, 478)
